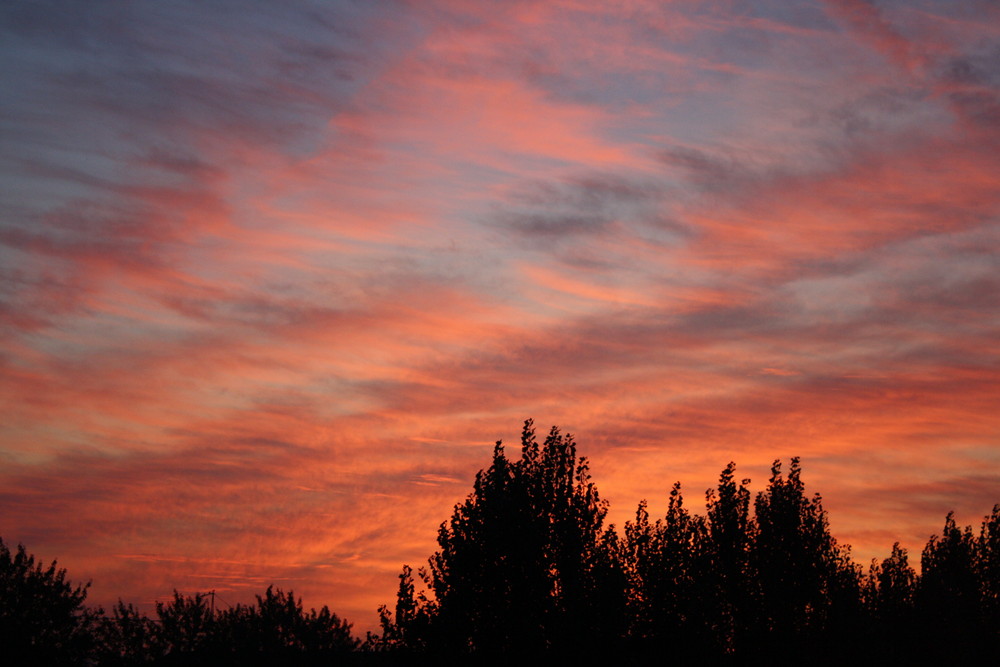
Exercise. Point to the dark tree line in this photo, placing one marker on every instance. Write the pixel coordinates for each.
(527, 566)
(44, 621)
(527, 569)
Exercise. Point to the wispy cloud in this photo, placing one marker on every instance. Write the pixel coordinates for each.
(272, 280)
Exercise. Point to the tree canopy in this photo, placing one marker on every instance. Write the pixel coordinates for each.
(526, 565)
(42, 614)
(525, 562)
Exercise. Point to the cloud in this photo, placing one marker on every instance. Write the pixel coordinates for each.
(268, 301)
(588, 205)
(868, 23)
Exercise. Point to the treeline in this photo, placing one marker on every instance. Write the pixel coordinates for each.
(44, 621)
(527, 569)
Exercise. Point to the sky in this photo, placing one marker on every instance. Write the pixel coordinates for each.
(275, 276)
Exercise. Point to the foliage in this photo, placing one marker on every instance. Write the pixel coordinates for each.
(279, 628)
(892, 585)
(987, 566)
(42, 615)
(276, 628)
(127, 637)
(666, 564)
(731, 577)
(525, 563)
(410, 627)
(807, 580)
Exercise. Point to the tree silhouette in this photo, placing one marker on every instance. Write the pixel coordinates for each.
(525, 563)
(187, 630)
(948, 595)
(43, 619)
(666, 563)
(987, 566)
(895, 585)
(732, 579)
(127, 637)
(279, 629)
(410, 627)
(809, 585)
(890, 596)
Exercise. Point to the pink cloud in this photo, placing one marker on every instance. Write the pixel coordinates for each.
(279, 351)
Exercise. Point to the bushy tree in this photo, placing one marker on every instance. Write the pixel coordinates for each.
(948, 577)
(409, 626)
(186, 627)
(732, 579)
(948, 596)
(692, 584)
(187, 630)
(987, 566)
(279, 629)
(890, 598)
(43, 619)
(809, 584)
(893, 586)
(525, 563)
(126, 637)
(666, 563)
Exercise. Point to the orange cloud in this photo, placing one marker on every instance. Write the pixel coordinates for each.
(266, 309)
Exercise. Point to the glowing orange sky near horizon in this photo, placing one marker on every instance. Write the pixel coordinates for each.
(273, 281)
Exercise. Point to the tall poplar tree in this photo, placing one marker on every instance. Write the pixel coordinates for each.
(525, 562)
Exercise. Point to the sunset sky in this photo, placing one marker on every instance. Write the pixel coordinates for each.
(275, 276)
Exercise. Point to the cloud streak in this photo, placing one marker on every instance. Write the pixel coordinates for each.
(273, 280)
